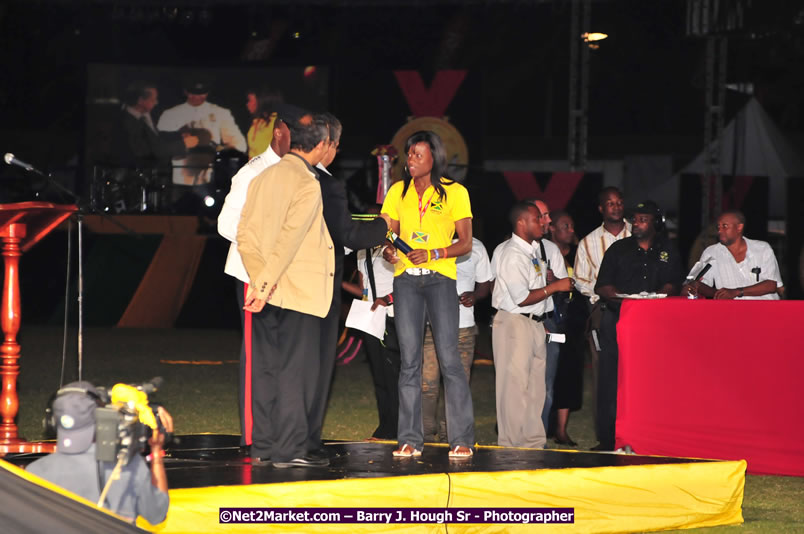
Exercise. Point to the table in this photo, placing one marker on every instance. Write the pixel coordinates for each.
(713, 379)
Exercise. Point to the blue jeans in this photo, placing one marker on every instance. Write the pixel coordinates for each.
(435, 296)
(550, 370)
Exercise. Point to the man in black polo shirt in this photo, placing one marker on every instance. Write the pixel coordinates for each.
(647, 262)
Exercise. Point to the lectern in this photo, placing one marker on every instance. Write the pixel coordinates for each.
(22, 225)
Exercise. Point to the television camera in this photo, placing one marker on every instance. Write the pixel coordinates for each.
(125, 422)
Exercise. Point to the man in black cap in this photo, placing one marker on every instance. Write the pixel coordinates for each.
(227, 227)
(195, 116)
(645, 262)
(139, 491)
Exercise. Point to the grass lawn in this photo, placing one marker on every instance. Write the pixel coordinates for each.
(203, 398)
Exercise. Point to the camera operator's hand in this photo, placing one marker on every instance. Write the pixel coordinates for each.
(157, 442)
(158, 438)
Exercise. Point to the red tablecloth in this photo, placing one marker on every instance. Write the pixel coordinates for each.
(713, 379)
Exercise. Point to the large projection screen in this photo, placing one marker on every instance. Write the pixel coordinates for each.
(137, 163)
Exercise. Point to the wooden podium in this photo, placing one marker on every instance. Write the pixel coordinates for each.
(22, 225)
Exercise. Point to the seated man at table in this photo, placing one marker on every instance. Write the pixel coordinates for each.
(644, 262)
(742, 268)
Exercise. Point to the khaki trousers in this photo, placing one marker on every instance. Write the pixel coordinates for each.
(519, 360)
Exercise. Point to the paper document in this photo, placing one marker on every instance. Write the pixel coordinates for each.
(362, 318)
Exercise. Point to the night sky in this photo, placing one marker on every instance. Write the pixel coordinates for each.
(647, 78)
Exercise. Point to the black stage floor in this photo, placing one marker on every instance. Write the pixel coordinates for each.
(649, 493)
(214, 460)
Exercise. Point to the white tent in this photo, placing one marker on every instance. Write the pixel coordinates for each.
(752, 145)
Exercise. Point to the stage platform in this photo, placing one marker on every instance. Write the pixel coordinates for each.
(608, 492)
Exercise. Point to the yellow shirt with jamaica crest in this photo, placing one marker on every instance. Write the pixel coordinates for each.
(427, 222)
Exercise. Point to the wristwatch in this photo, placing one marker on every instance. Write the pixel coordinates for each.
(742, 293)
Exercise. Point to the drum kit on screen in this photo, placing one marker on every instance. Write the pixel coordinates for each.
(199, 184)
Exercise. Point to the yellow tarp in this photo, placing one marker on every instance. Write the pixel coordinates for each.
(605, 499)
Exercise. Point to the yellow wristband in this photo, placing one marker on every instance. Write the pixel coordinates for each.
(428, 255)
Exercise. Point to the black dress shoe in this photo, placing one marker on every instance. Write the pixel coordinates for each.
(260, 462)
(568, 442)
(304, 461)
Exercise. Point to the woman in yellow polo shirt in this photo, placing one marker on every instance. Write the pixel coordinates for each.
(263, 117)
(426, 210)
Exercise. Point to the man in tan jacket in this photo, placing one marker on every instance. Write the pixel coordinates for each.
(288, 254)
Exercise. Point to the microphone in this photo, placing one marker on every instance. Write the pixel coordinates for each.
(11, 160)
(703, 272)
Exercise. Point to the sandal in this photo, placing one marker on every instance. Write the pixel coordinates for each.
(406, 451)
(459, 452)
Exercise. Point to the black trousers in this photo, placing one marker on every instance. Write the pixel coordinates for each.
(242, 398)
(607, 378)
(384, 360)
(285, 361)
(320, 388)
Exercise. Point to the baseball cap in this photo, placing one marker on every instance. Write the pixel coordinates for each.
(648, 207)
(288, 113)
(74, 413)
(196, 87)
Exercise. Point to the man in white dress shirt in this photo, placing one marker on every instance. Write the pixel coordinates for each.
(596, 243)
(556, 268)
(588, 258)
(518, 335)
(192, 117)
(742, 268)
(228, 220)
(550, 256)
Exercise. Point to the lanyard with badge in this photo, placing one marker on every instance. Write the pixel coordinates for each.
(537, 266)
(420, 237)
(423, 209)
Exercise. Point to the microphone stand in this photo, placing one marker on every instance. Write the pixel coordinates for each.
(79, 218)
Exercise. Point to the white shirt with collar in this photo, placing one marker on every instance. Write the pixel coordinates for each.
(554, 257)
(229, 217)
(471, 268)
(217, 120)
(589, 256)
(518, 271)
(727, 273)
